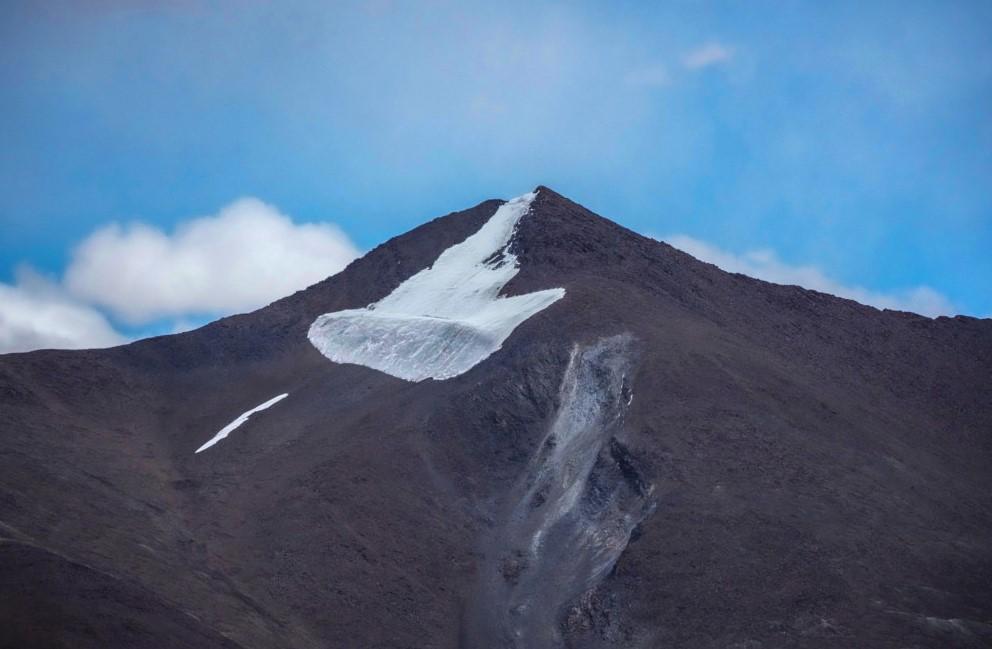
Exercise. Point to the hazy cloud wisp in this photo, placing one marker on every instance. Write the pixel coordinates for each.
(765, 265)
(706, 56)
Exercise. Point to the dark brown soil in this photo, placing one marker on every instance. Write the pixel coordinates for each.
(820, 472)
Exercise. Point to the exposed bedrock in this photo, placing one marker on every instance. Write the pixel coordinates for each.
(571, 514)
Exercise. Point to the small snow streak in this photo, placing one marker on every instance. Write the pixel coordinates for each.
(447, 318)
(242, 418)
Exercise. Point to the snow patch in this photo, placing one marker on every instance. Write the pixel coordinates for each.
(447, 318)
(242, 418)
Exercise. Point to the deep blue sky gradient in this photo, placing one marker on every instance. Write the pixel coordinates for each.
(856, 137)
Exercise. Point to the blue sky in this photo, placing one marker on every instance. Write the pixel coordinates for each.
(847, 147)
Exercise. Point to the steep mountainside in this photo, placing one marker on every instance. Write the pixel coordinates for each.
(664, 455)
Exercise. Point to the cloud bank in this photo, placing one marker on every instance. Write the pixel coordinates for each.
(765, 264)
(243, 257)
(36, 313)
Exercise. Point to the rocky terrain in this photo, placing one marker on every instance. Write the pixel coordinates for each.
(667, 456)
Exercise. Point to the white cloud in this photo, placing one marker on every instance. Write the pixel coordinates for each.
(245, 256)
(765, 264)
(707, 55)
(36, 313)
(651, 76)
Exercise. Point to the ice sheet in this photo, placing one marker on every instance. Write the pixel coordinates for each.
(447, 318)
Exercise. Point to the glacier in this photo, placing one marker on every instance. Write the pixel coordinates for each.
(445, 319)
(242, 418)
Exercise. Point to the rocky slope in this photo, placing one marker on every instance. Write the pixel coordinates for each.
(667, 456)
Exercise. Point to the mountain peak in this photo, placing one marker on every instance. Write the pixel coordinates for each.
(445, 319)
(546, 197)
(548, 192)
(586, 412)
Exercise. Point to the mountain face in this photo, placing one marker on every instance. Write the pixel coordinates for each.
(517, 426)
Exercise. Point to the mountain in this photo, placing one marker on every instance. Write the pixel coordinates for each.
(520, 425)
